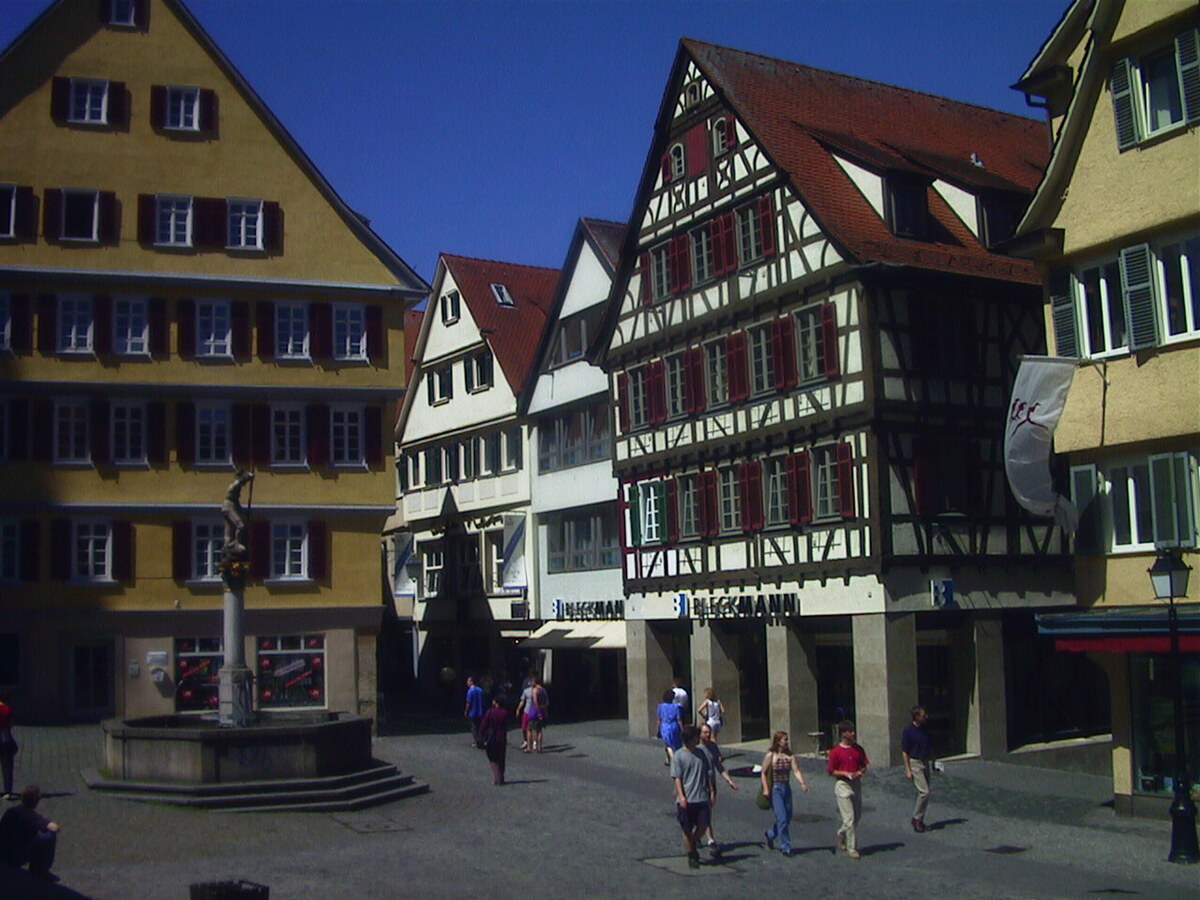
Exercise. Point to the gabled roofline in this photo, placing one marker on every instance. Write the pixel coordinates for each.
(1062, 38)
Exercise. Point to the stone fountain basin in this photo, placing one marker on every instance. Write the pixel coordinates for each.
(189, 750)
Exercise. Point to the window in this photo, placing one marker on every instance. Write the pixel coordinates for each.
(71, 432)
(490, 457)
(287, 435)
(289, 551)
(91, 551)
(716, 372)
(74, 324)
(173, 218)
(8, 210)
(10, 551)
(245, 219)
(647, 511)
(660, 271)
(349, 331)
(214, 337)
(816, 342)
(440, 384)
(80, 215)
(775, 491)
(208, 538)
(676, 375)
(676, 162)
(574, 437)
(906, 206)
(1102, 306)
(131, 327)
(1136, 504)
(450, 307)
(433, 466)
(291, 671)
(346, 436)
(762, 360)
(502, 295)
(572, 338)
(477, 369)
(433, 560)
(89, 101)
(748, 240)
(291, 330)
(212, 434)
(582, 540)
(826, 486)
(1180, 264)
(702, 254)
(122, 12)
(1156, 92)
(513, 455)
(198, 664)
(183, 108)
(639, 408)
(688, 498)
(127, 441)
(729, 500)
(724, 135)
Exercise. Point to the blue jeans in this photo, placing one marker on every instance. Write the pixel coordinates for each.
(781, 803)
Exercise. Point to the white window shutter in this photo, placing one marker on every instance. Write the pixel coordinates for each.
(1187, 55)
(1120, 83)
(1085, 494)
(1138, 288)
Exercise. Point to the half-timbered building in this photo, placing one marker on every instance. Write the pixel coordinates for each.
(461, 561)
(810, 341)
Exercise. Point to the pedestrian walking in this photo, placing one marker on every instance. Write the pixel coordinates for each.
(474, 709)
(847, 764)
(26, 836)
(530, 709)
(8, 744)
(918, 761)
(708, 744)
(778, 766)
(711, 712)
(670, 725)
(680, 697)
(493, 730)
(694, 792)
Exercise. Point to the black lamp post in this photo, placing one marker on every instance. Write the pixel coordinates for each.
(1169, 575)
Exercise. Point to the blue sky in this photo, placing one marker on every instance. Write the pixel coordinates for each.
(487, 128)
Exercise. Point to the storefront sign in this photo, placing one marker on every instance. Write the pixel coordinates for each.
(744, 606)
(589, 610)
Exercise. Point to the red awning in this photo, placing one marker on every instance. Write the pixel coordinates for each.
(1134, 643)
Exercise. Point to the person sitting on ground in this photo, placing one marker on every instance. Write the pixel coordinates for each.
(26, 836)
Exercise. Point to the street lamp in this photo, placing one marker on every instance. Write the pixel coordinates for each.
(1169, 576)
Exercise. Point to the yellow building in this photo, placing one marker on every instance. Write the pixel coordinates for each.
(1115, 226)
(182, 294)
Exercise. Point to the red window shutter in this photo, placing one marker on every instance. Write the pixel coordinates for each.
(730, 132)
(181, 550)
(320, 330)
(60, 99)
(21, 324)
(645, 294)
(147, 226)
(52, 214)
(264, 314)
(799, 473)
(376, 345)
(750, 479)
(672, 511)
(156, 433)
(317, 433)
(239, 326)
(18, 429)
(26, 215)
(260, 549)
(98, 433)
(709, 520)
(47, 323)
(185, 322)
(31, 550)
(123, 549)
(156, 310)
(724, 244)
(739, 376)
(623, 402)
(766, 224)
(110, 225)
(373, 436)
(695, 148)
(41, 415)
(783, 346)
(102, 312)
(694, 380)
(60, 549)
(210, 227)
(845, 477)
(208, 111)
(158, 105)
(681, 262)
(829, 339)
(665, 164)
(318, 545)
(243, 434)
(656, 396)
(118, 104)
(272, 227)
(185, 433)
(260, 430)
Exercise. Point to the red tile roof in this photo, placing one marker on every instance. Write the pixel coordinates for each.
(800, 114)
(512, 332)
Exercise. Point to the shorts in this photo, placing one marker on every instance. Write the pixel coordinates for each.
(693, 817)
(535, 725)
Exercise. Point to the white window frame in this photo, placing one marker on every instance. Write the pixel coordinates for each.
(91, 551)
(75, 324)
(1150, 91)
(72, 431)
(702, 254)
(1183, 284)
(350, 332)
(442, 379)
(122, 13)
(127, 432)
(729, 500)
(762, 360)
(639, 398)
(650, 509)
(660, 271)
(502, 294)
(675, 380)
(88, 103)
(131, 326)
(244, 224)
(582, 540)
(451, 306)
(826, 488)
(433, 563)
(687, 497)
(84, 197)
(749, 234)
(207, 541)
(172, 220)
(214, 434)
(8, 210)
(1107, 313)
(347, 435)
(289, 550)
(512, 444)
(810, 343)
(214, 329)
(1145, 502)
(292, 332)
(182, 111)
(678, 158)
(288, 434)
(716, 372)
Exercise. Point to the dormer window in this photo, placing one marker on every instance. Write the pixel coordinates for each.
(122, 13)
(907, 207)
(691, 96)
(451, 303)
(998, 218)
(503, 297)
(677, 160)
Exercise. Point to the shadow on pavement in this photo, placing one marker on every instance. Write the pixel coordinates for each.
(880, 848)
(943, 823)
(17, 884)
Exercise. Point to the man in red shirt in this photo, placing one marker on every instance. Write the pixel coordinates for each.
(847, 763)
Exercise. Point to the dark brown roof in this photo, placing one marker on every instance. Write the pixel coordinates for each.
(512, 332)
(801, 115)
(608, 237)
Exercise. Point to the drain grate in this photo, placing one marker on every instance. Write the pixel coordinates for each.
(368, 823)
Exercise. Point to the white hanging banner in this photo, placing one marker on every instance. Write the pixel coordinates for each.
(1038, 397)
(513, 572)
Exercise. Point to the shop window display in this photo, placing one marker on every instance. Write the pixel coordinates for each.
(291, 671)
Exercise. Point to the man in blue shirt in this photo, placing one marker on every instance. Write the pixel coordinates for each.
(475, 709)
(914, 746)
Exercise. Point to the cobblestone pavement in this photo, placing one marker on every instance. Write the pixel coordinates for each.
(594, 815)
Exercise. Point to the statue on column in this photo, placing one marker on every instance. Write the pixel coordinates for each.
(234, 553)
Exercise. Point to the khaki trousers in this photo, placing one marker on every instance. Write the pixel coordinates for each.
(920, 780)
(849, 802)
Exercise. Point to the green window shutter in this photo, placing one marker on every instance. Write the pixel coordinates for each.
(1120, 83)
(635, 516)
(1172, 486)
(1062, 312)
(1139, 289)
(1086, 497)
(1187, 55)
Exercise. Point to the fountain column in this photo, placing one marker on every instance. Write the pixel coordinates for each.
(235, 708)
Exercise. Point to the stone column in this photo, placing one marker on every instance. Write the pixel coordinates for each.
(987, 717)
(648, 674)
(714, 664)
(235, 706)
(885, 681)
(792, 681)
